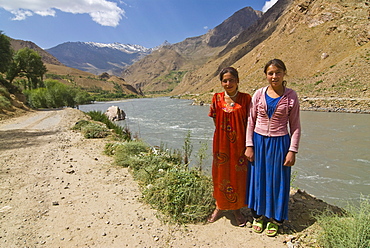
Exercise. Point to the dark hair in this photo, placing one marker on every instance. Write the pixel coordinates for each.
(276, 62)
(230, 70)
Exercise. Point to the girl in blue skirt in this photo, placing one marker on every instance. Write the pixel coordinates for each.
(272, 141)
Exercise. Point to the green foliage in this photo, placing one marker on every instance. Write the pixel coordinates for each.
(349, 231)
(94, 130)
(56, 94)
(181, 195)
(4, 102)
(91, 130)
(27, 63)
(202, 155)
(122, 132)
(126, 153)
(80, 124)
(172, 78)
(188, 148)
(6, 53)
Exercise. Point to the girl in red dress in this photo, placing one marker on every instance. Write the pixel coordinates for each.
(229, 110)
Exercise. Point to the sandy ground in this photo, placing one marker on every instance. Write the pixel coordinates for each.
(59, 190)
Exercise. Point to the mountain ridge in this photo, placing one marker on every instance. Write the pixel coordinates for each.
(98, 58)
(153, 72)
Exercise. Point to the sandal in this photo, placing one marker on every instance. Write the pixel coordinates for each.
(272, 229)
(215, 215)
(258, 223)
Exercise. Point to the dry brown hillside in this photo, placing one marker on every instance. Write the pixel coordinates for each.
(325, 45)
(163, 69)
(88, 81)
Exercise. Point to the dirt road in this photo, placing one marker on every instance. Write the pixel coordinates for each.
(59, 190)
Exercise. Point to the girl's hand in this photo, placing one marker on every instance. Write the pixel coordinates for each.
(289, 159)
(249, 153)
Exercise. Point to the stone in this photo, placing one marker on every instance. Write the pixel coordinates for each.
(114, 113)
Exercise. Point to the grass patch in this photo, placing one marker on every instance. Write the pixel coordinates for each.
(181, 195)
(122, 132)
(91, 130)
(95, 130)
(352, 230)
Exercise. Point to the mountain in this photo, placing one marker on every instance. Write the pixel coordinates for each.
(98, 58)
(46, 57)
(164, 68)
(75, 77)
(324, 43)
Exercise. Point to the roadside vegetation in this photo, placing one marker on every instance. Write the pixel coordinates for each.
(181, 194)
(350, 230)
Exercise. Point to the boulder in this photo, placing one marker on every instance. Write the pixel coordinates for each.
(114, 113)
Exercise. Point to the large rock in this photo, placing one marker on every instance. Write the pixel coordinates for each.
(114, 113)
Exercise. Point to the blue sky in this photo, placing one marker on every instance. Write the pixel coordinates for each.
(148, 23)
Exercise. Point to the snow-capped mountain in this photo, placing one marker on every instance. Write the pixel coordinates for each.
(97, 58)
(127, 48)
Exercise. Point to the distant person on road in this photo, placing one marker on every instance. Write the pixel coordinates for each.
(229, 110)
(273, 136)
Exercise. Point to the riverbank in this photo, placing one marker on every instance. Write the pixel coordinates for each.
(60, 190)
(321, 104)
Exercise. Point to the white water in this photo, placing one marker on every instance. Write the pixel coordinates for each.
(333, 162)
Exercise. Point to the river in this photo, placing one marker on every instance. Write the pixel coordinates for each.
(333, 162)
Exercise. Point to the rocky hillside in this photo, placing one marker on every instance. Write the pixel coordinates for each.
(163, 69)
(98, 58)
(325, 45)
(47, 58)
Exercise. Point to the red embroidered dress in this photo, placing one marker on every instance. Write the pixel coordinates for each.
(229, 167)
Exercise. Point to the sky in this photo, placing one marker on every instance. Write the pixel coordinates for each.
(148, 23)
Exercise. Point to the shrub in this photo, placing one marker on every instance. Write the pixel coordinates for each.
(122, 132)
(4, 103)
(93, 130)
(55, 95)
(181, 195)
(126, 153)
(350, 230)
(80, 124)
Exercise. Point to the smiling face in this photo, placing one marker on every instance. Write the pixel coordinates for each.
(230, 83)
(275, 76)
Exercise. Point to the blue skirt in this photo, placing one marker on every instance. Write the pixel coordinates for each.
(268, 179)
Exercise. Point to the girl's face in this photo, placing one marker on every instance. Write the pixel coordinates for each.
(229, 83)
(275, 76)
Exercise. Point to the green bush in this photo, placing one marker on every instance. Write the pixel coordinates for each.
(55, 95)
(126, 153)
(349, 231)
(122, 132)
(181, 195)
(93, 130)
(4, 102)
(80, 124)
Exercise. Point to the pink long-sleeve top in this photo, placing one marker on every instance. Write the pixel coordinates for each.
(286, 112)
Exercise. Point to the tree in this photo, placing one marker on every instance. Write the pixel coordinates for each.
(6, 53)
(27, 63)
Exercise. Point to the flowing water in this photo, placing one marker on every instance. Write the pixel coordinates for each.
(333, 162)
